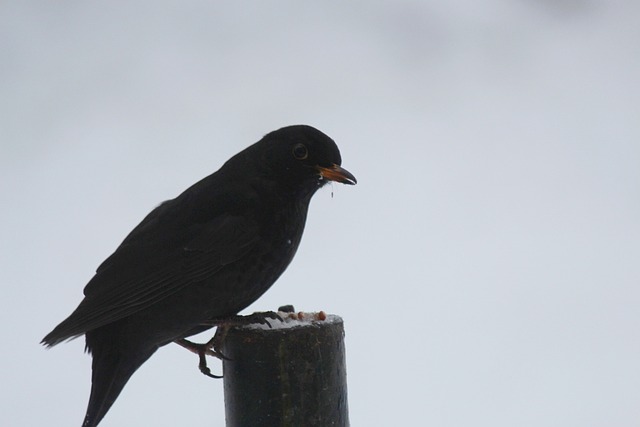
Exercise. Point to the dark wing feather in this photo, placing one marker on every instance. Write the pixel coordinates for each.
(142, 272)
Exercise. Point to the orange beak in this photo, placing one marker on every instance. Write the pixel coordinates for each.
(338, 174)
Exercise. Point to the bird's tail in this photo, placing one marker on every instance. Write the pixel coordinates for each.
(111, 371)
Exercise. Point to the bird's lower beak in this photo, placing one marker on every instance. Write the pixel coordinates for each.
(338, 174)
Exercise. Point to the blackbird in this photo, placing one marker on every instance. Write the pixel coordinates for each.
(199, 258)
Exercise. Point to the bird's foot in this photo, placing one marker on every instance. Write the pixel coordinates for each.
(259, 317)
(209, 348)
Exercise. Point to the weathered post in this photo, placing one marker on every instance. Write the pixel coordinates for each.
(290, 374)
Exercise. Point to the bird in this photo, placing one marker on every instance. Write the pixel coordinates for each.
(199, 258)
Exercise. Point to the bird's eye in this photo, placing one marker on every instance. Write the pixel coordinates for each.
(300, 152)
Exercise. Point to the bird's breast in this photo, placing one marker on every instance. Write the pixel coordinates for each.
(244, 281)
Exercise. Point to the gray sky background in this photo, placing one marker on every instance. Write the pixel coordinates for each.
(486, 264)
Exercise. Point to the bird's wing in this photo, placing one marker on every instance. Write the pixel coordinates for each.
(142, 272)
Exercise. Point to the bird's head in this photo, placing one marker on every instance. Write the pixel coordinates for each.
(303, 158)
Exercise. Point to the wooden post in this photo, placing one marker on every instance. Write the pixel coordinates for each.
(292, 374)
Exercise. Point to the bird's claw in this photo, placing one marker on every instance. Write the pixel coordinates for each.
(260, 317)
(202, 365)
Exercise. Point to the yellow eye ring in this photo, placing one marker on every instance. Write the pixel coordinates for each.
(300, 151)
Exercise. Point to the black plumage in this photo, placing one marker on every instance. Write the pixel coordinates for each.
(201, 257)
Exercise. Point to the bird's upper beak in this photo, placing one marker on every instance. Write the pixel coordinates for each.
(337, 173)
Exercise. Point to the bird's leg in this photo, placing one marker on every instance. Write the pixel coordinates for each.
(202, 350)
(212, 347)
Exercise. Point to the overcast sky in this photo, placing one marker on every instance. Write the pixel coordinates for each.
(487, 264)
